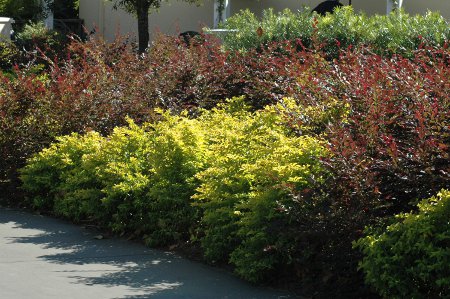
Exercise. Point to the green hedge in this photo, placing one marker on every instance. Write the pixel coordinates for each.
(36, 36)
(34, 46)
(394, 33)
(225, 179)
(254, 166)
(411, 257)
(137, 180)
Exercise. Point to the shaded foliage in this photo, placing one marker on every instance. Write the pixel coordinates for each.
(410, 257)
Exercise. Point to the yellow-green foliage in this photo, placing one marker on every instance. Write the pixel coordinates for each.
(411, 257)
(228, 176)
(312, 120)
(147, 175)
(254, 164)
(138, 180)
(9, 55)
(47, 173)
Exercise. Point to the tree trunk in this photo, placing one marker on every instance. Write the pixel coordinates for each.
(142, 9)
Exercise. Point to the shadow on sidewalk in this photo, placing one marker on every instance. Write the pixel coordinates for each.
(147, 273)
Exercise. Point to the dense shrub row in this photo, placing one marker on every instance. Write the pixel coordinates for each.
(225, 178)
(394, 33)
(391, 149)
(383, 119)
(90, 91)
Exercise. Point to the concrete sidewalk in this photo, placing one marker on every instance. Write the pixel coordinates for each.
(41, 257)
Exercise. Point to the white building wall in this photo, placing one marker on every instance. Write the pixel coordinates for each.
(5, 28)
(172, 18)
(370, 7)
(177, 16)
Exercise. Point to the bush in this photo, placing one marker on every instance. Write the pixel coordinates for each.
(203, 75)
(394, 143)
(22, 9)
(137, 181)
(385, 127)
(24, 129)
(35, 37)
(64, 9)
(9, 55)
(89, 91)
(391, 146)
(253, 166)
(396, 33)
(148, 179)
(143, 180)
(276, 27)
(47, 173)
(410, 257)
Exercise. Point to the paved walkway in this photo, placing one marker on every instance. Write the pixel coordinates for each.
(41, 257)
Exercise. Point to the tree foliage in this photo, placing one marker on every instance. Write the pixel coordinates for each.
(21, 9)
(34, 9)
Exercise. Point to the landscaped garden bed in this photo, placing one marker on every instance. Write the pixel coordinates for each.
(273, 159)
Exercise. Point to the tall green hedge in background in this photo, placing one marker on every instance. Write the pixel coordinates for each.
(394, 33)
(65, 9)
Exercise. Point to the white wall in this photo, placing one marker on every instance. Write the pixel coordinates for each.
(421, 6)
(370, 7)
(5, 28)
(175, 17)
(172, 18)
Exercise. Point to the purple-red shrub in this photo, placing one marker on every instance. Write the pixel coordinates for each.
(91, 90)
(203, 75)
(394, 146)
(391, 150)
